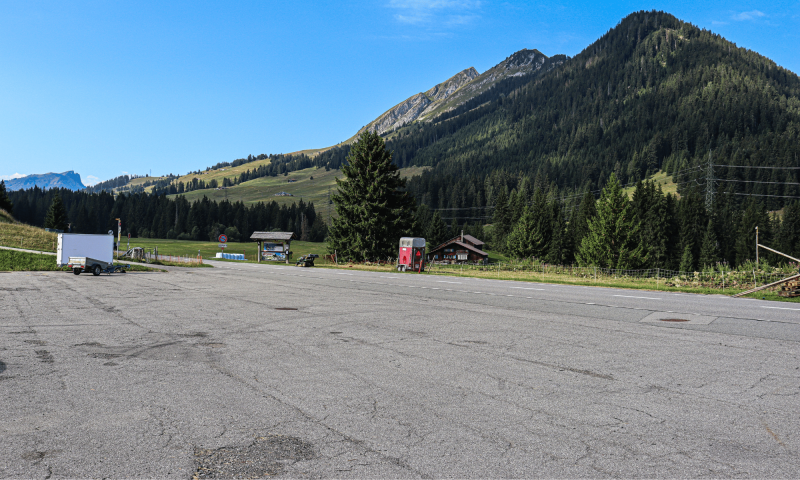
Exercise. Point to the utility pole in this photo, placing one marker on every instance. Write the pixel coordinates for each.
(756, 246)
(710, 187)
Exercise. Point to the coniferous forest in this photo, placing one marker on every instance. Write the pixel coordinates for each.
(156, 216)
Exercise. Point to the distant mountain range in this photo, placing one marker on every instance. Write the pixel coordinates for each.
(70, 180)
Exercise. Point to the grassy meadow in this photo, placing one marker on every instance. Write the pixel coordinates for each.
(209, 249)
(264, 189)
(661, 178)
(19, 235)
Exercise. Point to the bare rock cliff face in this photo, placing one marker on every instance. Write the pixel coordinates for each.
(523, 62)
(457, 90)
(410, 109)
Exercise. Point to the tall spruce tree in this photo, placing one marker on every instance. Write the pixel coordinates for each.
(692, 213)
(687, 260)
(437, 231)
(525, 239)
(578, 226)
(5, 202)
(754, 215)
(56, 215)
(709, 250)
(649, 206)
(613, 238)
(373, 212)
(501, 220)
(790, 230)
(556, 251)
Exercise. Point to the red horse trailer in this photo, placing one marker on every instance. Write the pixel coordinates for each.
(411, 255)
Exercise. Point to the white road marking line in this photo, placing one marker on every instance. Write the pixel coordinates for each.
(445, 281)
(628, 296)
(434, 288)
(526, 288)
(339, 273)
(783, 308)
(591, 303)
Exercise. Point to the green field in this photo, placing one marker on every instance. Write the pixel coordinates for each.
(264, 189)
(661, 178)
(19, 235)
(209, 249)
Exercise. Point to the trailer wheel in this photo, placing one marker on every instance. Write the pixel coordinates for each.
(76, 271)
(122, 271)
(96, 270)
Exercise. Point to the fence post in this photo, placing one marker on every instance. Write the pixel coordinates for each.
(657, 272)
(595, 274)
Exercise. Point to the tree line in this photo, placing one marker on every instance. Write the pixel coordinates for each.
(156, 216)
(649, 230)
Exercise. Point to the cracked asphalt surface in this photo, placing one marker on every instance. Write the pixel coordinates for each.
(195, 373)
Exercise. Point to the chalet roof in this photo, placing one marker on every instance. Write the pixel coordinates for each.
(467, 238)
(473, 240)
(269, 236)
(460, 244)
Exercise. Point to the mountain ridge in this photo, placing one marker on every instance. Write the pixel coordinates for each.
(68, 179)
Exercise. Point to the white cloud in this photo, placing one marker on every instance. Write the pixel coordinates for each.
(11, 177)
(751, 15)
(124, 172)
(90, 180)
(441, 13)
(717, 22)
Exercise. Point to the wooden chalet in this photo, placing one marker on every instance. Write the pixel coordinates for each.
(461, 249)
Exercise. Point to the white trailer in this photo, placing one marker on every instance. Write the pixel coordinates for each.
(99, 247)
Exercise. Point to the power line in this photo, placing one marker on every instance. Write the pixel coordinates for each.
(762, 195)
(757, 181)
(753, 166)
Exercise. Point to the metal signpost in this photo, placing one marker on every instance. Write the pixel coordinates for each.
(223, 240)
(119, 234)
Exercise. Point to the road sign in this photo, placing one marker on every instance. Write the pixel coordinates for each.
(223, 238)
(223, 245)
(129, 236)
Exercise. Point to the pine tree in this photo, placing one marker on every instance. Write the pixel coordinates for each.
(649, 206)
(56, 217)
(437, 231)
(556, 250)
(709, 250)
(578, 226)
(454, 229)
(790, 230)
(525, 239)
(613, 238)
(372, 211)
(691, 211)
(753, 216)
(687, 260)
(501, 223)
(5, 202)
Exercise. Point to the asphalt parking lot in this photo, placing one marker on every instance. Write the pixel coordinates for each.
(252, 370)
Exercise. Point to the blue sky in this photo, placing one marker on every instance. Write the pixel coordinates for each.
(106, 88)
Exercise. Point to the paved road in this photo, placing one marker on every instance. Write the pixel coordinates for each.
(388, 375)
